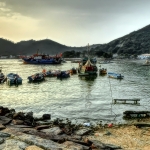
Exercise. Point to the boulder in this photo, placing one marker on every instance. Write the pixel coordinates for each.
(83, 131)
(17, 122)
(46, 116)
(53, 131)
(4, 120)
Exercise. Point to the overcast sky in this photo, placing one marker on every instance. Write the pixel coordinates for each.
(72, 22)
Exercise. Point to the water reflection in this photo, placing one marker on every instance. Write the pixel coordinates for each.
(77, 97)
(88, 78)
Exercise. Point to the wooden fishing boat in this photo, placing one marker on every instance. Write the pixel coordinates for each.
(87, 69)
(87, 66)
(102, 71)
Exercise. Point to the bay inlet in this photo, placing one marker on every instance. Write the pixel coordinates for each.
(77, 98)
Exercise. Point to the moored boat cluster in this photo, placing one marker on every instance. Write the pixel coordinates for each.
(15, 79)
(87, 69)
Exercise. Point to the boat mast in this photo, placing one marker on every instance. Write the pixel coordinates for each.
(88, 50)
(37, 51)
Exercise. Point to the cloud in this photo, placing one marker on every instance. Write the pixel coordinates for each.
(69, 21)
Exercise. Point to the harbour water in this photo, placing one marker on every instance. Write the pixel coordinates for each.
(79, 99)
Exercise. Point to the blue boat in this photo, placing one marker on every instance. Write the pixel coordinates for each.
(38, 77)
(42, 59)
(13, 79)
(50, 73)
(115, 75)
(63, 74)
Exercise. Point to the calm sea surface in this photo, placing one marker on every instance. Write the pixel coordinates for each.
(77, 98)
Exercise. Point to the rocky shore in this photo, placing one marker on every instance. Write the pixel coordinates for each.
(22, 131)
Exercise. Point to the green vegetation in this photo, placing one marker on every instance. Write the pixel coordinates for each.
(132, 44)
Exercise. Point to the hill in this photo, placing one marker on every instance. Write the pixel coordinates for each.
(137, 42)
(31, 46)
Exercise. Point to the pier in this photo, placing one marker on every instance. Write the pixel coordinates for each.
(124, 101)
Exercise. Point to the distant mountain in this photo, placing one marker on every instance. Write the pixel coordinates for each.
(137, 42)
(30, 47)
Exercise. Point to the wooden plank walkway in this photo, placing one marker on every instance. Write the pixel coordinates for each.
(124, 101)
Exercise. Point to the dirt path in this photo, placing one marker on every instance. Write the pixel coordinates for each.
(129, 137)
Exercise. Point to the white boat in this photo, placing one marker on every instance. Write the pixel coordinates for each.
(115, 75)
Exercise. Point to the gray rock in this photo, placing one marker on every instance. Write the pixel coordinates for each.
(74, 146)
(2, 127)
(18, 126)
(2, 134)
(46, 116)
(12, 144)
(43, 122)
(42, 127)
(43, 143)
(4, 120)
(83, 131)
(52, 131)
(1, 140)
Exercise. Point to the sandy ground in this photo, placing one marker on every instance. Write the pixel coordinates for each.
(128, 136)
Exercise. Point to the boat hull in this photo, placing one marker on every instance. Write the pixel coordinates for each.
(42, 61)
(36, 78)
(2, 77)
(88, 74)
(63, 75)
(103, 71)
(115, 75)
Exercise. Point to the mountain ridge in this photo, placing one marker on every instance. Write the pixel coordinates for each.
(136, 42)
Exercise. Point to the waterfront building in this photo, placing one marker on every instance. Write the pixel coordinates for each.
(144, 56)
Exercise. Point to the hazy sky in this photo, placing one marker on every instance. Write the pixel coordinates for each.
(72, 22)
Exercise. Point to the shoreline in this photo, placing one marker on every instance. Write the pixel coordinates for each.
(43, 133)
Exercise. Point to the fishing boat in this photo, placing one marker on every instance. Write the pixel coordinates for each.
(42, 59)
(102, 71)
(73, 71)
(87, 69)
(13, 79)
(50, 73)
(115, 75)
(38, 77)
(2, 76)
(87, 66)
(63, 75)
(92, 60)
